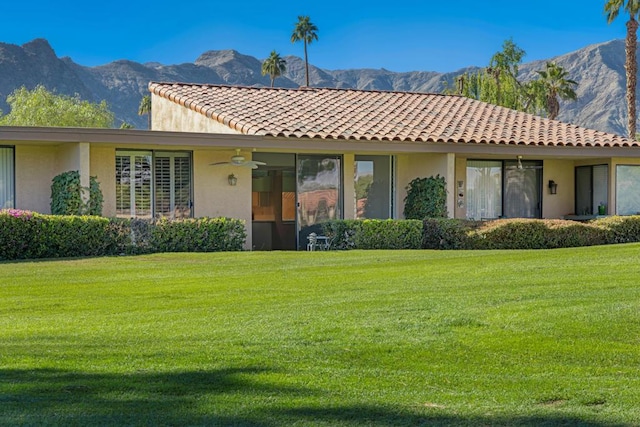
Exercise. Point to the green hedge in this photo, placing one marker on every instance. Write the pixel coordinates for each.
(374, 234)
(446, 233)
(514, 234)
(620, 229)
(198, 235)
(27, 235)
(536, 234)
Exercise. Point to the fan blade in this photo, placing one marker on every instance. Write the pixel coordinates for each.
(253, 164)
(220, 164)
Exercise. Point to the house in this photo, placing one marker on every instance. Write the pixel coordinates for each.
(322, 154)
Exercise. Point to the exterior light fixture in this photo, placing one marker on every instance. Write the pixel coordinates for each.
(233, 180)
(519, 167)
(553, 187)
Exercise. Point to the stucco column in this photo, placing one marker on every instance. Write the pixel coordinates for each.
(84, 167)
(451, 184)
(349, 187)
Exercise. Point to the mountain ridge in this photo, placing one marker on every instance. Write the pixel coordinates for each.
(598, 69)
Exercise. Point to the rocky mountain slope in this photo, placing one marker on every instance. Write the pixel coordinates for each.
(598, 69)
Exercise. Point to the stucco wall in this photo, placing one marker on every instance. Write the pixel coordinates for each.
(35, 168)
(169, 116)
(562, 172)
(213, 196)
(103, 167)
(419, 165)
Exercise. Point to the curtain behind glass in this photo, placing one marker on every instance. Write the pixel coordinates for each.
(522, 195)
(627, 190)
(6, 178)
(372, 180)
(484, 189)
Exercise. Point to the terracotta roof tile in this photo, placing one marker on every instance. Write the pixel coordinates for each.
(376, 116)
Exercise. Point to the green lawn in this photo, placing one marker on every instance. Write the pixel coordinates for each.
(324, 338)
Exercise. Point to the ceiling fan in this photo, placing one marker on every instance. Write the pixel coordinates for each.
(238, 160)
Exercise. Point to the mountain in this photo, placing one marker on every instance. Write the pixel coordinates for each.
(598, 69)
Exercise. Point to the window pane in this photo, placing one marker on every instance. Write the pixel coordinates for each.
(484, 189)
(172, 185)
(522, 189)
(142, 186)
(123, 186)
(318, 189)
(6, 178)
(163, 186)
(583, 191)
(373, 187)
(628, 190)
(600, 186)
(133, 184)
(288, 196)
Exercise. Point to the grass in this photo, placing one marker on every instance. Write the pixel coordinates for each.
(330, 338)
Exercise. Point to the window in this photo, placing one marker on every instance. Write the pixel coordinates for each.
(153, 184)
(484, 189)
(592, 183)
(627, 190)
(504, 189)
(7, 178)
(373, 180)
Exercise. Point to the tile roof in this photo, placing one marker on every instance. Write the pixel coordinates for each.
(349, 114)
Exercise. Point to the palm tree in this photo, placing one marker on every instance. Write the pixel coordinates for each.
(306, 31)
(145, 108)
(555, 84)
(612, 9)
(274, 65)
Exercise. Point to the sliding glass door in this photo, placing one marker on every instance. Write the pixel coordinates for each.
(318, 193)
(522, 189)
(504, 189)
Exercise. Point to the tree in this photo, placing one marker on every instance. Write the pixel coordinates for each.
(612, 9)
(39, 107)
(274, 65)
(498, 84)
(554, 83)
(145, 108)
(306, 31)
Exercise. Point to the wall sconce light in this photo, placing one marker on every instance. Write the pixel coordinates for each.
(233, 180)
(553, 187)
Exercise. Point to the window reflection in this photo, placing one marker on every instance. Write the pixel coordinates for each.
(373, 188)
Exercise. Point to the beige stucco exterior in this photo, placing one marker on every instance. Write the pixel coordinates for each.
(166, 117)
(43, 153)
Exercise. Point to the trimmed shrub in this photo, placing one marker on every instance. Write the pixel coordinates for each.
(66, 195)
(27, 235)
(198, 235)
(341, 233)
(536, 234)
(447, 233)
(620, 229)
(426, 198)
(373, 234)
(569, 234)
(388, 234)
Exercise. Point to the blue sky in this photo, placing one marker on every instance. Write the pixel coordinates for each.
(395, 35)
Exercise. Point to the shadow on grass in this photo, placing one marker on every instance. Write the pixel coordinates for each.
(237, 397)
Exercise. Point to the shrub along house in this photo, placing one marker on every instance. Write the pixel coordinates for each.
(322, 154)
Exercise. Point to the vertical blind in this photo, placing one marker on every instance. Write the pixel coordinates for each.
(6, 178)
(484, 189)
